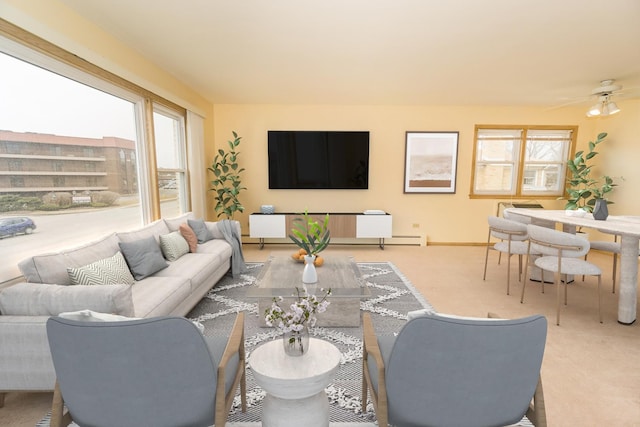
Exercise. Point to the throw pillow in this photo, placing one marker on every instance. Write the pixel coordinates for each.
(108, 271)
(143, 257)
(173, 245)
(190, 237)
(200, 228)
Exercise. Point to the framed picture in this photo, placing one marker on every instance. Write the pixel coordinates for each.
(430, 162)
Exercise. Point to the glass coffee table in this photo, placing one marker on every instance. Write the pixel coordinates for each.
(280, 276)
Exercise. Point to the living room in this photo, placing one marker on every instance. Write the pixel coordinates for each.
(427, 221)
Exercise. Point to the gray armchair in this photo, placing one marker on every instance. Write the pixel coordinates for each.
(156, 372)
(443, 371)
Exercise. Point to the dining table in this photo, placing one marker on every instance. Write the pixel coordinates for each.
(625, 226)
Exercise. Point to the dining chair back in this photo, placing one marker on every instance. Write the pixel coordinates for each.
(561, 254)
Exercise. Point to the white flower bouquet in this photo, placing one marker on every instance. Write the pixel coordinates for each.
(300, 313)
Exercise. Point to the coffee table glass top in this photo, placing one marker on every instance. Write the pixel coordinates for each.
(280, 276)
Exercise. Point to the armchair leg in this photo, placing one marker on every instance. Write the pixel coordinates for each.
(2, 395)
(537, 413)
(58, 417)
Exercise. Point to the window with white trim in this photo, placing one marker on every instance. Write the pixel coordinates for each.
(521, 161)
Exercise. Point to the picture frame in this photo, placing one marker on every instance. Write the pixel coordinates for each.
(430, 164)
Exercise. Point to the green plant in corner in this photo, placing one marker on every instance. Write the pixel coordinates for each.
(227, 184)
(582, 188)
(309, 234)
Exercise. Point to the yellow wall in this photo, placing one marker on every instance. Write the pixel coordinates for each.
(441, 217)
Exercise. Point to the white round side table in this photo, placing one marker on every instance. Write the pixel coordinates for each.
(295, 385)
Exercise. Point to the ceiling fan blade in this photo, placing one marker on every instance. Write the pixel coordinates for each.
(574, 101)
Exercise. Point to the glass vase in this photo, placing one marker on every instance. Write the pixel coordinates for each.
(296, 343)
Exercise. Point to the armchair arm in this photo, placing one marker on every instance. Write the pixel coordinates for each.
(536, 413)
(370, 348)
(235, 345)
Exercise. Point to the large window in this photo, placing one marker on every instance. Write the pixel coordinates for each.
(521, 161)
(170, 156)
(74, 154)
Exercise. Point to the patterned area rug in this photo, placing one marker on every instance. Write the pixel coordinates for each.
(392, 297)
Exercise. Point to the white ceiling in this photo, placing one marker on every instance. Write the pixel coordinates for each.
(383, 52)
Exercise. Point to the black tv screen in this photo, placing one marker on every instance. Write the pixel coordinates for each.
(336, 160)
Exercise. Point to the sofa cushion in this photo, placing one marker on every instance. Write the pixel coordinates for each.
(174, 223)
(154, 229)
(159, 296)
(173, 245)
(39, 299)
(108, 271)
(196, 267)
(189, 236)
(200, 229)
(52, 267)
(143, 257)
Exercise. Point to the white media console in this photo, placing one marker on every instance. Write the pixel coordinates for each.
(347, 225)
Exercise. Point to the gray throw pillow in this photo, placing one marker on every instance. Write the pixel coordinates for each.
(143, 257)
(200, 228)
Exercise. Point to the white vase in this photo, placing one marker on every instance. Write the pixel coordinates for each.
(309, 274)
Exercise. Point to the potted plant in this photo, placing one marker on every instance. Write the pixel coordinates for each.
(227, 184)
(584, 190)
(310, 235)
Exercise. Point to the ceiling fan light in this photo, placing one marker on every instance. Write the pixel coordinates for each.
(594, 111)
(610, 108)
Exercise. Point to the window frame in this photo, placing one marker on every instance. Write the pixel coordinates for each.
(519, 163)
(28, 47)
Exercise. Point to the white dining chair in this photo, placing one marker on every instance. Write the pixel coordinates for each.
(562, 254)
(513, 241)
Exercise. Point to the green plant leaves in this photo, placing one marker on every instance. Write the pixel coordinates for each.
(227, 185)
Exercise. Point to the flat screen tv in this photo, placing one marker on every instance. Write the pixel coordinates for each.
(330, 160)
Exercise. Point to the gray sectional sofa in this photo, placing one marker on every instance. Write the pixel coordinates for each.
(25, 361)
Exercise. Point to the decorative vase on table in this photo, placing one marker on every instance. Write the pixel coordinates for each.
(600, 210)
(309, 274)
(296, 343)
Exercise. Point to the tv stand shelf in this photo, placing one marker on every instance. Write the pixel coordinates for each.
(346, 225)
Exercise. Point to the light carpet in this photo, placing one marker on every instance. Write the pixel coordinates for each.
(392, 297)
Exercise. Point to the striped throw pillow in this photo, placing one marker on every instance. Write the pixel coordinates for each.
(173, 245)
(108, 271)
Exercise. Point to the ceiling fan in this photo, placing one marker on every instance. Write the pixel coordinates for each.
(604, 93)
(604, 107)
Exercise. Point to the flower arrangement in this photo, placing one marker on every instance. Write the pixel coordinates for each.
(300, 312)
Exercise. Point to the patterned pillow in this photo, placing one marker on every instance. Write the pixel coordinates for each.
(173, 245)
(189, 236)
(108, 271)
